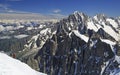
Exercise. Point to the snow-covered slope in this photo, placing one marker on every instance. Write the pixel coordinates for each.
(10, 66)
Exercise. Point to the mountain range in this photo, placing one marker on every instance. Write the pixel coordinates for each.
(75, 45)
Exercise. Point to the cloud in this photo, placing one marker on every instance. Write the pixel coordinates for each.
(58, 16)
(10, 11)
(56, 11)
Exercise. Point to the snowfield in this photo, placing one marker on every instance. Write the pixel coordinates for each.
(10, 66)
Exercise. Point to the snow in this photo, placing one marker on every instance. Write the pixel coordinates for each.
(103, 68)
(93, 43)
(99, 26)
(10, 66)
(44, 31)
(34, 38)
(95, 17)
(117, 58)
(29, 28)
(18, 27)
(71, 23)
(1, 28)
(80, 13)
(92, 26)
(111, 43)
(75, 13)
(85, 38)
(115, 72)
(8, 28)
(20, 36)
(112, 22)
(110, 31)
(41, 26)
(108, 41)
(54, 32)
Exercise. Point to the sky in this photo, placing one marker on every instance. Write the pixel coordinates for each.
(62, 7)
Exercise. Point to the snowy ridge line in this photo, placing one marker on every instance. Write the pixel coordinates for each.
(108, 24)
(108, 41)
(111, 43)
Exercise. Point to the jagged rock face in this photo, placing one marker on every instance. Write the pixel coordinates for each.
(31, 62)
(81, 53)
(35, 43)
(104, 35)
(73, 56)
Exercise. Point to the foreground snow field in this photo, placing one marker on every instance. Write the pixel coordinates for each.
(10, 66)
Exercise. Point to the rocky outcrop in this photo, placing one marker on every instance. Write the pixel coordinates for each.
(77, 45)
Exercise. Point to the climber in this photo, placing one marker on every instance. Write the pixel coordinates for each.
(14, 55)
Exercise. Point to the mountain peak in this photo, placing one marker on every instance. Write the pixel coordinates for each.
(77, 12)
